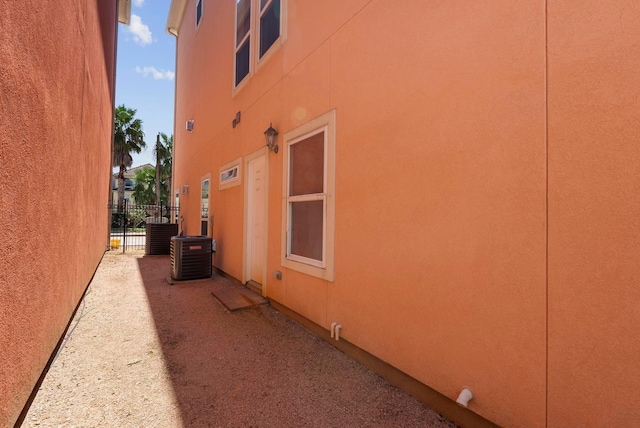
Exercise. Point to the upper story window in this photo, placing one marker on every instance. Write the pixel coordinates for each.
(198, 12)
(269, 24)
(243, 39)
(262, 18)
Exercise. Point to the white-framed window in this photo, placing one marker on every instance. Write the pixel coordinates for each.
(198, 12)
(204, 205)
(270, 24)
(175, 212)
(243, 40)
(259, 29)
(230, 174)
(308, 222)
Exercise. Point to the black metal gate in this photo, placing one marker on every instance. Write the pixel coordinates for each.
(128, 223)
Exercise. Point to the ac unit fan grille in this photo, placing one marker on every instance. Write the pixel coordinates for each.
(191, 257)
(158, 237)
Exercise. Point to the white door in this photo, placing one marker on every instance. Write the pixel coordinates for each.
(256, 222)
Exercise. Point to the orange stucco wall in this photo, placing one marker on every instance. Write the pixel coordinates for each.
(486, 188)
(594, 213)
(56, 109)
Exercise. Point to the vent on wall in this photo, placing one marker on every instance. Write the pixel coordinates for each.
(191, 257)
(189, 125)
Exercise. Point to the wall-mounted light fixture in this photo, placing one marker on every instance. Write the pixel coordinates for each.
(270, 135)
(190, 125)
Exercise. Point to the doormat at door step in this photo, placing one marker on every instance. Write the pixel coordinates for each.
(235, 298)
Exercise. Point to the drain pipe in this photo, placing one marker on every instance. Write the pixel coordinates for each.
(333, 329)
(337, 329)
(465, 396)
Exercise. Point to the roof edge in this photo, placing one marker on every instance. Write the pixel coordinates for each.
(176, 12)
(124, 11)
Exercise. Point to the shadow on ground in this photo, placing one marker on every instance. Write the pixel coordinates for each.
(257, 368)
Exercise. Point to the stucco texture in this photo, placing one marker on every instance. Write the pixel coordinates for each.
(56, 109)
(486, 202)
(594, 212)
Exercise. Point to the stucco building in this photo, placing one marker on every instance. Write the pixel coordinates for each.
(57, 83)
(456, 186)
(129, 183)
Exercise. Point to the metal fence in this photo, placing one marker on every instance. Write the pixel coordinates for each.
(128, 223)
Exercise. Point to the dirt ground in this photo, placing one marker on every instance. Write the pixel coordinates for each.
(143, 353)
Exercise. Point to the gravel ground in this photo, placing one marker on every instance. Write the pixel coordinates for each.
(143, 353)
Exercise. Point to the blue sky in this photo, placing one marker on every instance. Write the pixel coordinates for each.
(145, 71)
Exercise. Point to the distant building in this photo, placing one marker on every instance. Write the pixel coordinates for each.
(129, 183)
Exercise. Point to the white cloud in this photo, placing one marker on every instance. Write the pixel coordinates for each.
(155, 73)
(141, 33)
(138, 3)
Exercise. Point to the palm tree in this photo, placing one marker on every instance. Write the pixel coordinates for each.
(164, 153)
(128, 138)
(143, 191)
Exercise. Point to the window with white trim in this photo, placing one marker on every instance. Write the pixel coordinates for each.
(230, 174)
(198, 12)
(176, 210)
(270, 23)
(204, 203)
(265, 19)
(308, 197)
(243, 39)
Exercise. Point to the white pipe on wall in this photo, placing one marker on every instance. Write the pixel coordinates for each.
(338, 327)
(333, 327)
(465, 396)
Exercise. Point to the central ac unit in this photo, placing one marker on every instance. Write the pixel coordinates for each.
(191, 257)
(158, 237)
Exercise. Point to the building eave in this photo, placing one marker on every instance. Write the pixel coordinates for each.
(176, 12)
(124, 11)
